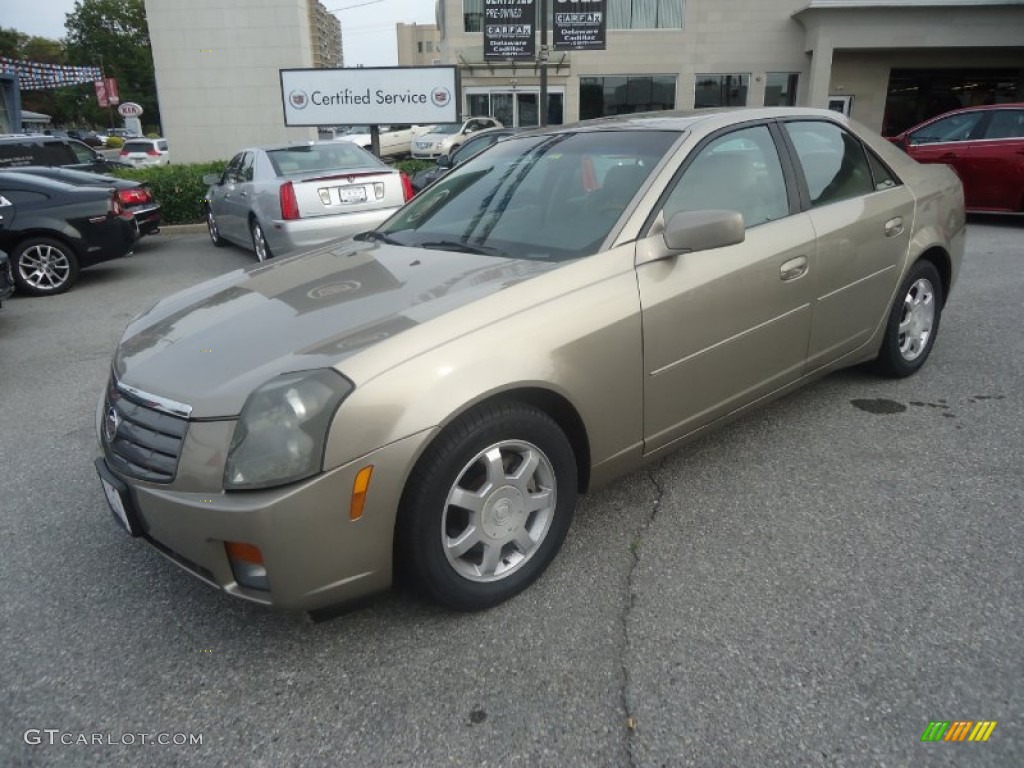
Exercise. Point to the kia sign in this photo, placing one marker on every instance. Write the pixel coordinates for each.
(370, 96)
(129, 109)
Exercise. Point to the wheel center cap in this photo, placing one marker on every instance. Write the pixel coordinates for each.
(504, 512)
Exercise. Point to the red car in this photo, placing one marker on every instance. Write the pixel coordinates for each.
(984, 145)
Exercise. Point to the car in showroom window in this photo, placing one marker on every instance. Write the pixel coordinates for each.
(429, 398)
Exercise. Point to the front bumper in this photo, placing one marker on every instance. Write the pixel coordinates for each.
(315, 556)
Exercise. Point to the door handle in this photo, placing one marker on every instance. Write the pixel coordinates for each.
(949, 156)
(894, 227)
(794, 268)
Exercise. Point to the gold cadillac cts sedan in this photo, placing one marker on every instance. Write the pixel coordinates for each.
(429, 398)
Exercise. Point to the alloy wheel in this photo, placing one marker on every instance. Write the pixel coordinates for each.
(917, 319)
(44, 267)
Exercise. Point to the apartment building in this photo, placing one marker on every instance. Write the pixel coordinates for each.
(325, 32)
(888, 63)
(419, 45)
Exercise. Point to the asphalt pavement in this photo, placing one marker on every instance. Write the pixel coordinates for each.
(809, 586)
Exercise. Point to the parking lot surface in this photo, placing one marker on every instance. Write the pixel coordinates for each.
(809, 586)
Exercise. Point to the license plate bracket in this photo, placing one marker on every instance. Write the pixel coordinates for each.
(118, 500)
(352, 194)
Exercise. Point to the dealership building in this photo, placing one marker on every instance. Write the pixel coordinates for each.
(888, 63)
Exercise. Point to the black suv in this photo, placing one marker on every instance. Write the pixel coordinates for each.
(16, 151)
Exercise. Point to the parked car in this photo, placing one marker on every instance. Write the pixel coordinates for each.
(6, 274)
(472, 146)
(984, 145)
(571, 303)
(275, 199)
(22, 150)
(143, 152)
(89, 138)
(135, 196)
(121, 133)
(395, 140)
(443, 139)
(52, 230)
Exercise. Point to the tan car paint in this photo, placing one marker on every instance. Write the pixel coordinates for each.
(638, 381)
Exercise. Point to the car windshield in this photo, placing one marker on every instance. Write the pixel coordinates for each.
(538, 197)
(354, 129)
(446, 128)
(313, 158)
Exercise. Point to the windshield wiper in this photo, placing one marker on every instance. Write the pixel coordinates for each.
(373, 234)
(461, 247)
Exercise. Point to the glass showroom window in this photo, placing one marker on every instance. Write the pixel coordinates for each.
(780, 89)
(602, 96)
(645, 14)
(721, 91)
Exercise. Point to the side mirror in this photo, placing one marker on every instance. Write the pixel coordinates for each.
(211, 179)
(703, 230)
(444, 162)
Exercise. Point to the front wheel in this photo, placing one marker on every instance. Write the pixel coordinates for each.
(259, 242)
(214, 229)
(913, 322)
(44, 266)
(487, 507)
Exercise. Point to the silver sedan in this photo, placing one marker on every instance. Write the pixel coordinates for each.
(276, 199)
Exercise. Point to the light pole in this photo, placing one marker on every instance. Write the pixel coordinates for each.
(543, 58)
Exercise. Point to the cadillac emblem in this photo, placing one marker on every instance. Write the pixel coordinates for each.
(110, 424)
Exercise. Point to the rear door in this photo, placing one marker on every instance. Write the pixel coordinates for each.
(948, 141)
(997, 160)
(225, 201)
(862, 217)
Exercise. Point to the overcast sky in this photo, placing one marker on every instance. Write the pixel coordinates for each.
(368, 31)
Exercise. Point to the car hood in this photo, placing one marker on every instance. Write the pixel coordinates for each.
(210, 346)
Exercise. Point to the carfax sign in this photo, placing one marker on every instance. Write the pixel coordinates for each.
(580, 25)
(370, 96)
(509, 29)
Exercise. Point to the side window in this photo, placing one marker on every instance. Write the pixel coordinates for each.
(233, 172)
(880, 174)
(246, 172)
(833, 161)
(953, 128)
(1006, 124)
(82, 153)
(162, 146)
(739, 171)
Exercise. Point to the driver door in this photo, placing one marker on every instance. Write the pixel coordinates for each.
(726, 326)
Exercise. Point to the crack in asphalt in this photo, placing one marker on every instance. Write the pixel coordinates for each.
(634, 549)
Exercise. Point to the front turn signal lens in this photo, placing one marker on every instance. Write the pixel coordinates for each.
(359, 488)
(247, 565)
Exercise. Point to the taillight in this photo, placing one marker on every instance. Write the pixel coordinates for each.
(115, 205)
(123, 153)
(289, 204)
(134, 196)
(153, 152)
(407, 189)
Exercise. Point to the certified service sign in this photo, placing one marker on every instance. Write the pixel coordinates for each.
(370, 96)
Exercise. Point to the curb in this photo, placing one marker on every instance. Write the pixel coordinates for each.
(182, 229)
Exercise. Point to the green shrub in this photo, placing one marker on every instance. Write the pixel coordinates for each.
(411, 166)
(114, 142)
(178, 188)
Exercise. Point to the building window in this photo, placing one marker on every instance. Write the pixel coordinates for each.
(780, 89)
(721, 91)
(645, 14)
(429, 46)
(602, 96)
(473, 15)
(419, 47)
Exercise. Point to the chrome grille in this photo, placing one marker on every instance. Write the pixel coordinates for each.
(141, 441)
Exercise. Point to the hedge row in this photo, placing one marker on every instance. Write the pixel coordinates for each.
(180, 189)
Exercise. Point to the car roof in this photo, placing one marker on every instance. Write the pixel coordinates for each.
(44, 182)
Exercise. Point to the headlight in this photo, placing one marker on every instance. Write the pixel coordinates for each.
(282, 431)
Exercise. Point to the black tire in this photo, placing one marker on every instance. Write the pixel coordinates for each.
(213, 230)
(903, 353)
(44, 266)
(426, 518)
(259, 241)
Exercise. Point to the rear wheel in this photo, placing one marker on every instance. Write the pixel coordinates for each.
(913, 322)
(43, 266)
(487, 507)
(259, 241)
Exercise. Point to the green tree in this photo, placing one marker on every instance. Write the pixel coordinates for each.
(114, 34)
